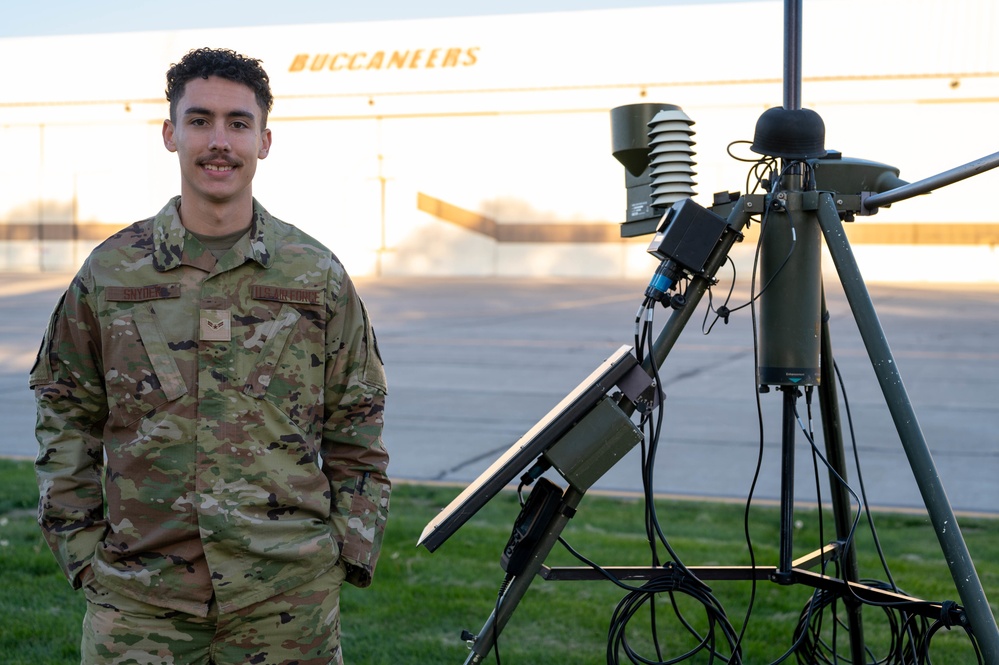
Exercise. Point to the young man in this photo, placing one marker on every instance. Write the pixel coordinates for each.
(210, 402)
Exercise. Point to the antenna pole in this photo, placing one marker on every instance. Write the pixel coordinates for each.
(792, 54)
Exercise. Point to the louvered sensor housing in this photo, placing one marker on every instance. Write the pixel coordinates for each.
(671, 157)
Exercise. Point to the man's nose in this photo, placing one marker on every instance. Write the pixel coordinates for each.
(219, 139)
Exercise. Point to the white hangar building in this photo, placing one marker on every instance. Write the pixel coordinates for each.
(482, 146)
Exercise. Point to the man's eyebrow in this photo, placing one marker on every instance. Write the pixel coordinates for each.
(236, 113)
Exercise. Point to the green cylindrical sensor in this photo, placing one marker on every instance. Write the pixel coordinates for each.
(791, 296)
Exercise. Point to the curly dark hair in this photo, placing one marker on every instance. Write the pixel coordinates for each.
(224, 63)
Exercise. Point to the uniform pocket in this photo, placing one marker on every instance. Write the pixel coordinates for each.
(141, 374)
(41, 371)
(373, 371)
(288, 370)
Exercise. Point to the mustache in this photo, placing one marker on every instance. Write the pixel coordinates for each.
(219, 160)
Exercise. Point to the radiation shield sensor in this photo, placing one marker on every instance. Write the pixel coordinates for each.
(542, 437)
(654, 143)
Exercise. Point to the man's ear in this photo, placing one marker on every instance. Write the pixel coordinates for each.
(265, 144)
(168, 136)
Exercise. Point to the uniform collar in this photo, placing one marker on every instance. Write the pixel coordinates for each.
(173, 246)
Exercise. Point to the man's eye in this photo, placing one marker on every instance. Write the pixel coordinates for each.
(199, 122)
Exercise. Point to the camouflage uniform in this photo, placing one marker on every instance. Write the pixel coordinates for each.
(233, 407)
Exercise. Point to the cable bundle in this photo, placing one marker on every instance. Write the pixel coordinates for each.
(676, 580)
(813, 648)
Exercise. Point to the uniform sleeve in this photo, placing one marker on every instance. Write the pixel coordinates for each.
(71, 411)
(354, 457)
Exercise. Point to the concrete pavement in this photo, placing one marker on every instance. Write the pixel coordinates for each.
(474, 363)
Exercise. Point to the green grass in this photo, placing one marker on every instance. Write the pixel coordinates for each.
(420, 602)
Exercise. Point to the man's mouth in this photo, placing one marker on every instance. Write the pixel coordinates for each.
(219, 167)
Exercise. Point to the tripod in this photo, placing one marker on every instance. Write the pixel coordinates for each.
(789, 571)
(796, 350)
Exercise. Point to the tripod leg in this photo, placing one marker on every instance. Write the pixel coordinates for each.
(737, 221)
(486, 639)
(942, 517)
(833, 434)
(784, 573)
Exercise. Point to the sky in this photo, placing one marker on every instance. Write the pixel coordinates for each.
(67, 17)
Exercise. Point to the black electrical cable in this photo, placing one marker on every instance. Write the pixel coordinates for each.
(809, 436)
(923, 648)
(761, 436)
(673, 580)
(652, 524)
(908, 626)
(863, 492)
(662, 537)
(767, 163)
(674, 577)
(910, 635)
(647, 454)
(860, 477)
(809, 391)
(798, 641)
(723, 311)
(507, 579)
(910, 638)
(648, 466)
(636, 599)
(754, 295)
(499, 599)
(728, 149)
(642, 330)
